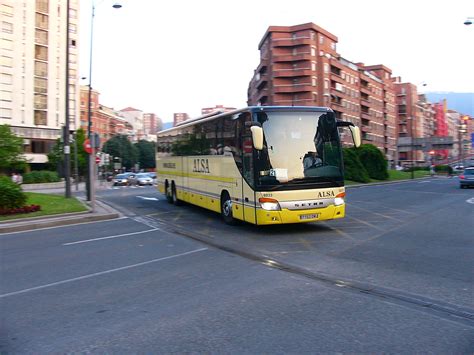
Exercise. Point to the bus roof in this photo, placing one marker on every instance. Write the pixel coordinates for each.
(219, 113)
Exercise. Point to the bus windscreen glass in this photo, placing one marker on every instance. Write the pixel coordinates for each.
(299, 148)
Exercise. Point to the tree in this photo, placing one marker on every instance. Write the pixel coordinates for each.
(56, 156)
(120, 147)
(146, 154)
(11, 150)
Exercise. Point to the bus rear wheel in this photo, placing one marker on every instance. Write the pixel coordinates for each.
(226, 209)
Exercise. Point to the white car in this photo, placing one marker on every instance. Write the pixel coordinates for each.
(144, 179)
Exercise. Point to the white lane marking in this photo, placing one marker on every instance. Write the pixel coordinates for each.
(111, 237)
(471, 200)
(148, 198)
(63, 226)
(423, 182)
(99, 273)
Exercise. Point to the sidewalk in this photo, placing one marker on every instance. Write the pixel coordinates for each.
(101, 212)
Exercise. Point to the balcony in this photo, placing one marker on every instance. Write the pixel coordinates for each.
(282, 89)
(365, 90)
(365, 115)
(290, 42)
(288, 73)
(292, 57)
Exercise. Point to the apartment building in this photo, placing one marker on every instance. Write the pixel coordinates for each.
(105, 121)
(135, 118)
(152, 123)
(300, 66)
(33, 72)
(179, 117)
(217, 108)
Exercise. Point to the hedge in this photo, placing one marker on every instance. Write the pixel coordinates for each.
(353, 168)
(373, 160)
(37, 177)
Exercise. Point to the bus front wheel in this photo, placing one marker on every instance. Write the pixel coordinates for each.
(226, 209)
(174, 196)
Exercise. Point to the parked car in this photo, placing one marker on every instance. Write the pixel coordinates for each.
(466, 179)
(144, 179)
(125, 179)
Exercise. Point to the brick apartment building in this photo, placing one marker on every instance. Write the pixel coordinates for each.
(300, 66)
(105, 120)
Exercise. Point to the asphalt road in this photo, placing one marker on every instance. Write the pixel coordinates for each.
(144, 283)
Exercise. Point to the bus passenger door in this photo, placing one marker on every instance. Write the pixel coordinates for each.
(248, 177)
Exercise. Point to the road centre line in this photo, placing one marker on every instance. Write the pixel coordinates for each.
(110, 237)
(100, 273)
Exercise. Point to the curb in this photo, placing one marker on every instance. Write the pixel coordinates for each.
(66, 219)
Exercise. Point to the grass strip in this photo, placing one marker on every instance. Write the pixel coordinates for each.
(50, 205)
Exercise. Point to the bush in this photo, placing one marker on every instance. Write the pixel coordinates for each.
(353, 168)
(441, 168)
(37, 177)
(373, 160)
(11, 195)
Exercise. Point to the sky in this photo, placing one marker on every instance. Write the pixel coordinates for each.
(182, 55)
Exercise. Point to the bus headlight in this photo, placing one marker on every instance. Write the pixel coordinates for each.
(339, 199)
(269, 204)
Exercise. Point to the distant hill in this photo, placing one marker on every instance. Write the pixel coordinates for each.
(167, 125)
(461, 102)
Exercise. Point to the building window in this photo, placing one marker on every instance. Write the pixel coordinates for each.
(40, 118)
(313, 66)
(41, 52)
(6, 44)
(6, 61)
(41, 102)
(5, 78)
(7, 27)
(6, 10)
(41, 85)
(313, 51)
(41, 36)
(5, 113)
(326, 67)
(321, 39)
(41, 21)
(42, 6)
(41, 69)
(333, 46)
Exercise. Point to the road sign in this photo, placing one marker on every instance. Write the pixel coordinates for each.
(97, 160)
(87, 146)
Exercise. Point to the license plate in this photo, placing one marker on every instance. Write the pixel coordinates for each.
(308, 216)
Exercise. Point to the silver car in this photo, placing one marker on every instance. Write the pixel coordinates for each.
(144, 179)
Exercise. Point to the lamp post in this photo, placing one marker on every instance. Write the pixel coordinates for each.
(91, 160)
(67, 147)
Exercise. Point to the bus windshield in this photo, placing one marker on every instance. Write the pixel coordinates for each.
(300, 148)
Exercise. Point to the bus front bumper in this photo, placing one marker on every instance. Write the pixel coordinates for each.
(300, 216)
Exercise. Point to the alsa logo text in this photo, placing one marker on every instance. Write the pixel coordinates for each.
(201, 166)
(323, 194)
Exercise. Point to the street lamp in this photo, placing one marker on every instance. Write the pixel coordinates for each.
(67, 147)
(91, 160)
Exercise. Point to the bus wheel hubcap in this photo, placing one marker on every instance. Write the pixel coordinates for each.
(227, 207)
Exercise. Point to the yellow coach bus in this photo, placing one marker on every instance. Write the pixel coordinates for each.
(263, 165)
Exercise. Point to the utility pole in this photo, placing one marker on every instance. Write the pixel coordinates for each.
(67, 147)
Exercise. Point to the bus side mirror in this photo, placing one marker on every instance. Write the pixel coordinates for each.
(355, 131)
(257, 137)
